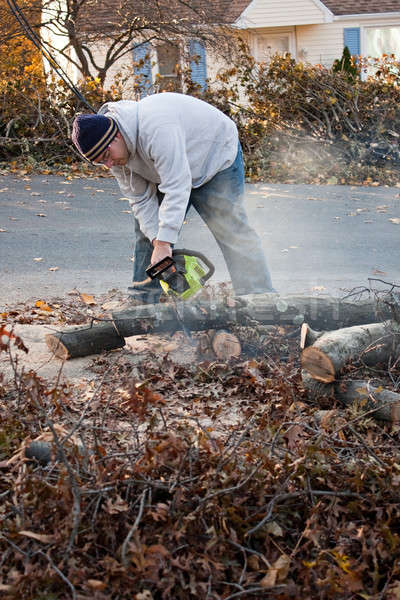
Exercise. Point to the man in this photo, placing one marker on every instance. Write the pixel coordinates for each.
(169, 152)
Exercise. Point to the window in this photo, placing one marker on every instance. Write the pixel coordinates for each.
(168, 66)
(269, 44)
(382, 40)
(378, 41)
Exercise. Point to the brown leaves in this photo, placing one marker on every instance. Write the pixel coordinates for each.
(114, 507)
(7, 337)
(88, 299)
(166, 466)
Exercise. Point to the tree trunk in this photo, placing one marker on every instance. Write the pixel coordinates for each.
(373, 344)
(267, 309)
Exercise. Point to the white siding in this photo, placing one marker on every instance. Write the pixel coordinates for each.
(276, 13)
(123, 68)
(324, 43)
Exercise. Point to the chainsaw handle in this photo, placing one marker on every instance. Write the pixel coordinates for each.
(208, 263)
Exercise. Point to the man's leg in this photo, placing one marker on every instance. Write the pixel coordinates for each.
(143, 289)
(220, 204)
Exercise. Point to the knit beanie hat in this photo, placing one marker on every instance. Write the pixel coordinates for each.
(92, 134)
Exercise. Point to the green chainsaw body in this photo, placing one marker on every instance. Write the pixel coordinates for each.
(184, 274)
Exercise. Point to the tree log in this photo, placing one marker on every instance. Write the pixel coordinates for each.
(267, 309)
(383, 405)
(373, 344)
(225, 345)
(379, 403)
(82, 341)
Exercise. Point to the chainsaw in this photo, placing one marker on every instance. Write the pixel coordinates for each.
(182, 275)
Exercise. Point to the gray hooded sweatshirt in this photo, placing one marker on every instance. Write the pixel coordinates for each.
(176, 143)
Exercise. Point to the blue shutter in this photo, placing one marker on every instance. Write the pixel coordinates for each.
(198, 67)
(142, 52)
(351, 37)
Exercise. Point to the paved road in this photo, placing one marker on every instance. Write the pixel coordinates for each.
(324, 239)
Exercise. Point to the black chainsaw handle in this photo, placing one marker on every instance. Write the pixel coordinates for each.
(208, 263)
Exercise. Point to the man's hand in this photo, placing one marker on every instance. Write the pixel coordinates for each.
(161, 250)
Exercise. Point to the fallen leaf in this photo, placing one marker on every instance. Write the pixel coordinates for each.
(145, 595)
(277, 573)
(43, 305)
(40, 537)
(274, 529)
(87, 299)
(95, 584)
(113, 508)
(294, 436)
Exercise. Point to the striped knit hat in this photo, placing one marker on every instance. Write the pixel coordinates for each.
(92, 134)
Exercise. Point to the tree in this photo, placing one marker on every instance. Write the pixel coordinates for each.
(76, 29)
(346, 64)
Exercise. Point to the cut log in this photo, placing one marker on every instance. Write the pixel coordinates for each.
(372, 344)
(267, 309)
(383, 405)
(225, 345)
(83, 341)
(377, 402)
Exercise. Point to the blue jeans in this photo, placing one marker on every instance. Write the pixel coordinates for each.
(219, 202)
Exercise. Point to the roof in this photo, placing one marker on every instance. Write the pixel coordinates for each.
(361, 7)
(231, 10)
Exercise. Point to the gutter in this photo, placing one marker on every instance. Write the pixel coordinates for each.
(389, 15)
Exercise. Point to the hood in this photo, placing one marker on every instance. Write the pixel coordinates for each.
(125, 113)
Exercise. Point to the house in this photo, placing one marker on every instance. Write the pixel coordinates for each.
(313, 31)
(316, 31)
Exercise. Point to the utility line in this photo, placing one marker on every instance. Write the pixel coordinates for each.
(38, 42)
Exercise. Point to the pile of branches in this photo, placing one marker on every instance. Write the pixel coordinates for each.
(208, 481)
(309, 116)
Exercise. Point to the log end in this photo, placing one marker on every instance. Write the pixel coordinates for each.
(226, 345)
(317, 364)
(56, 347)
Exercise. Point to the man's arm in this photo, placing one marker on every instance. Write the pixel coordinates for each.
(167, 150)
